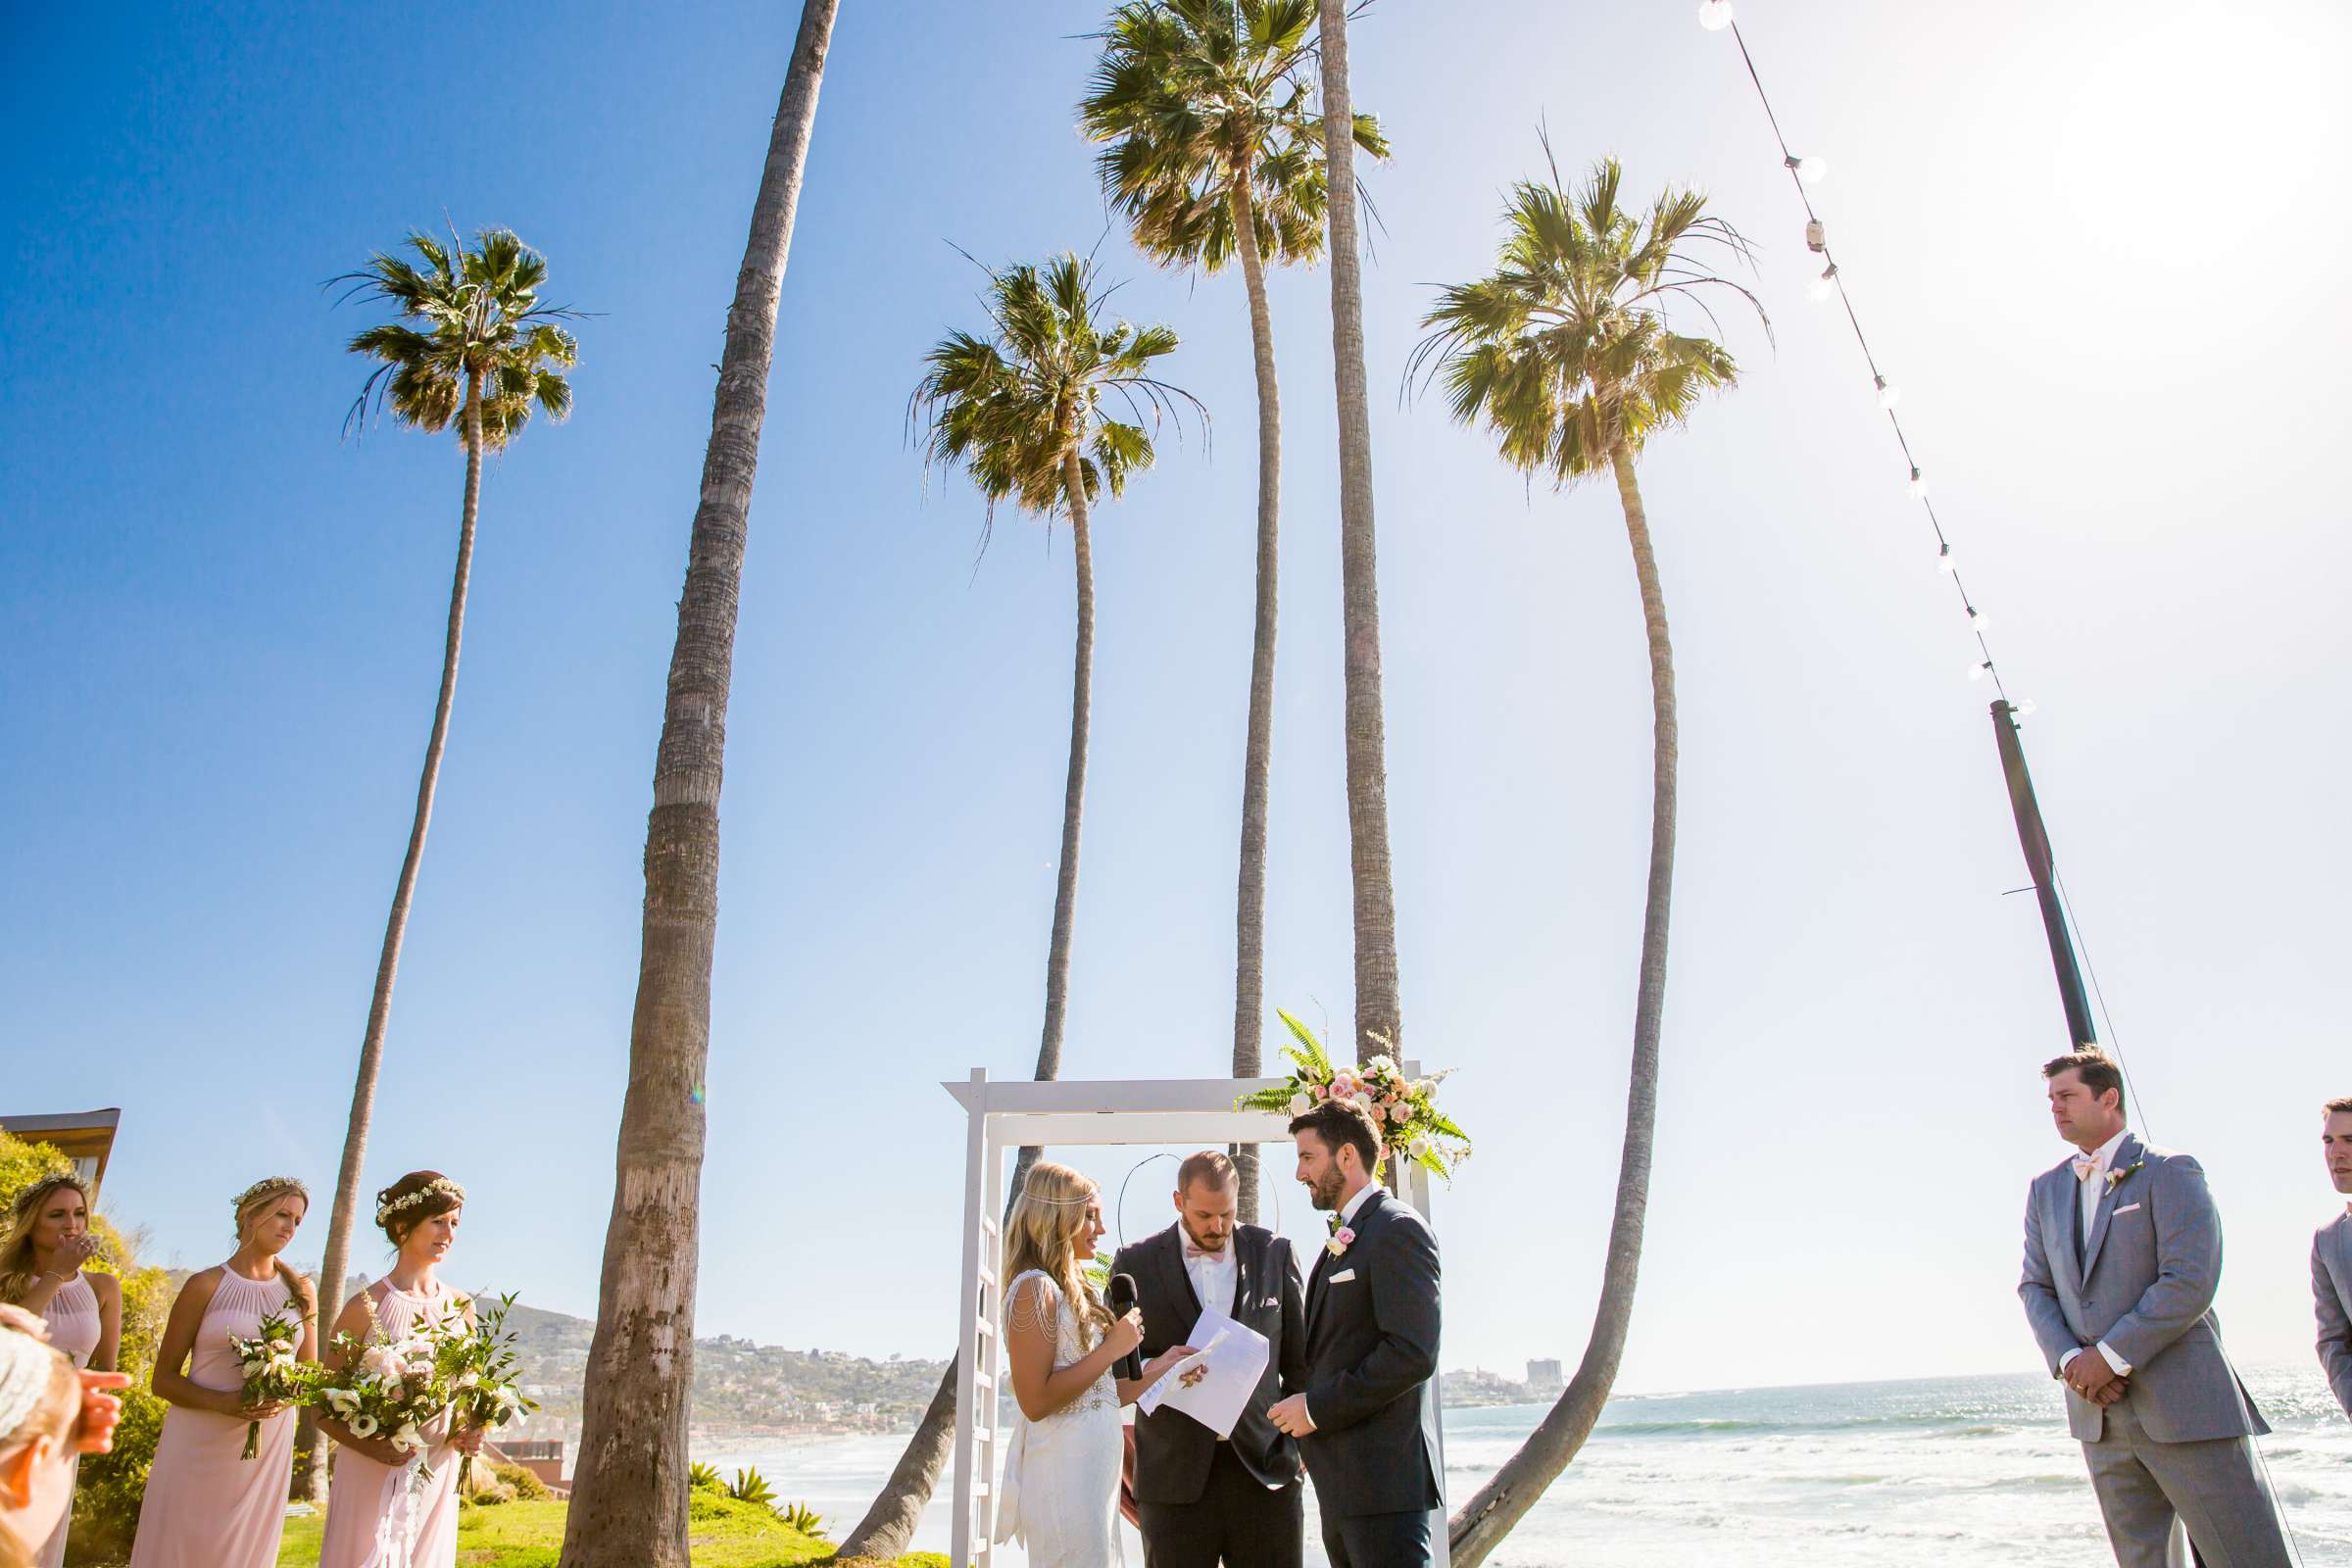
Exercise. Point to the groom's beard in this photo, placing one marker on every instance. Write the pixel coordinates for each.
(1324, 1191)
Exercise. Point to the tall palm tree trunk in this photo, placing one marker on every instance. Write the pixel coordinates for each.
(310, 1469)
(1257, 755)
(1378, 1010)
(1514, 1488)
(890, 1521)
(629, 1492)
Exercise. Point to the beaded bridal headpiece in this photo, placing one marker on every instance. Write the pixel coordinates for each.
(25, 1368)
(385, 1211)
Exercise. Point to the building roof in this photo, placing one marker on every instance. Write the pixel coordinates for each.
(87, 1137)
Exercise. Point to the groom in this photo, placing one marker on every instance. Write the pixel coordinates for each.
(1363, 1422)
(1199, 1496)
(2123, 1255)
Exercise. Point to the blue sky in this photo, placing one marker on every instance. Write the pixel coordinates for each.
(2084, 242)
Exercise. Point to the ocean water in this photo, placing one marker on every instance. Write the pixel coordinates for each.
(1936, 1473)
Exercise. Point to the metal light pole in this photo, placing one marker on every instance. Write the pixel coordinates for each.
(2034, 839)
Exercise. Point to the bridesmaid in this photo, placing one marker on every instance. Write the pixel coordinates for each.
(205, 1505)
(42, 1270)
(39, 1401)
(378, 1515)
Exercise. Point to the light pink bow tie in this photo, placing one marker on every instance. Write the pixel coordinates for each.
(2085, 1165)
(1191, 1252)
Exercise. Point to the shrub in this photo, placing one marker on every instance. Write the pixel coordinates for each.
(751, 1487)
(705, 1476)
(520, 1484)
(803, 1518)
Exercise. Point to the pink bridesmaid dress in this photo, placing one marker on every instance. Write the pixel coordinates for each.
(378, 1516)
(206, 1506)
(74, 1328)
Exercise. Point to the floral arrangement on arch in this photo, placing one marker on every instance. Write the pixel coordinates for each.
(1405, 1108)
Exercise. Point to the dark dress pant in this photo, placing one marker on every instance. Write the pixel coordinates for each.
(1378, 1539)
(1238, 1521)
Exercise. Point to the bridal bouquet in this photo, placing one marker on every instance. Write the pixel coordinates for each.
(388, 1387)
(477, 1362)
(1405, 1108)
(273, 1375)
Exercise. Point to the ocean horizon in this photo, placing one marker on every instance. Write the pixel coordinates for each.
(1932, 1472)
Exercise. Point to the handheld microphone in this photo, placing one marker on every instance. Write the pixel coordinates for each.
(1120, 1298)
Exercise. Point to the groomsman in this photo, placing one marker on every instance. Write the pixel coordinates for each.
(2332, 1259)
(1201, 1498)
(2123, 1255)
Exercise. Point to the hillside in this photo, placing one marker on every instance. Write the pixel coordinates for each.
(737, 1383)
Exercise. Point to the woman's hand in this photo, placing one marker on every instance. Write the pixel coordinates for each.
(77, 1250)
(254, 1413)
(1157, 1367)
(468, 1439)
(94, 1428)
(1124, 1334)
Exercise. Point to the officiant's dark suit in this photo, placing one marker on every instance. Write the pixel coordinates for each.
(1201, 1499)
(1372, 1317)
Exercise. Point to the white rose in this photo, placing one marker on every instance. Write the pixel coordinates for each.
(1379, 1065)
(363, 1426)
(1418, 1147)
(1360, 1097)
(1300, 1104)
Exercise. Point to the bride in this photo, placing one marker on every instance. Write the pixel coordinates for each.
(1062, 1469)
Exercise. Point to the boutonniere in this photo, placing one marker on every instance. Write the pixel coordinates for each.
(2115, 1178)
(1341, 1240)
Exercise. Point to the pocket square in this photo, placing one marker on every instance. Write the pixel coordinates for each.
(2126, 1209)
(1342, 1277)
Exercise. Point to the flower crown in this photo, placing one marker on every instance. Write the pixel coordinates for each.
(267, 1187)
(384, 1211)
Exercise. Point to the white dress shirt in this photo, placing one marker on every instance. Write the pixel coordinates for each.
(1214, 1274)
(2094, 1187)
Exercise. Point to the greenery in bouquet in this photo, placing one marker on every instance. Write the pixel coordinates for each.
(388, 1388)
(477, 1363)
(1404, 1108)
(274, 1373)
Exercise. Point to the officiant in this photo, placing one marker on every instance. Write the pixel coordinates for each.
(1203, 1498)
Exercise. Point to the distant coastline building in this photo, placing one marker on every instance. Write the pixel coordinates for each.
(1544, 1377)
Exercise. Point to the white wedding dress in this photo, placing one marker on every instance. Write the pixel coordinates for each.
(1061, 1474)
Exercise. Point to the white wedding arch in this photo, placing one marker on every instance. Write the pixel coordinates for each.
(1006, 1116)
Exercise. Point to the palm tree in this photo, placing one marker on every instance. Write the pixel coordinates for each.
(474, 348)
(1379, 1013)
(1216, 152)
(630, 1493)
(1021, 411)
(1567, 356)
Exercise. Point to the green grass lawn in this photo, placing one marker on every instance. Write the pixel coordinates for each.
(725, 1534)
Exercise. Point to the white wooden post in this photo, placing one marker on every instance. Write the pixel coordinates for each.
(969, 1316)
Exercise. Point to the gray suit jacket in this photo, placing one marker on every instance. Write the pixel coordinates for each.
(2331, 1298)
(2145, 1284)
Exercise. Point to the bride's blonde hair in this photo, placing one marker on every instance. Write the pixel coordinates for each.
(1043, 1235)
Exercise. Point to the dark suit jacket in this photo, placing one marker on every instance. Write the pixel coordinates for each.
(1372, 1346)
(1172, 1450)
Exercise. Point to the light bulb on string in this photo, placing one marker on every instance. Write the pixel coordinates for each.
(1888, 393)
(1980, 669)
(1946, 561)
(1978, 621)
(1715, 15)
(1812, 170)
(2025, 707)
(1919, 484)
(1817, 236)
(1822, 287)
